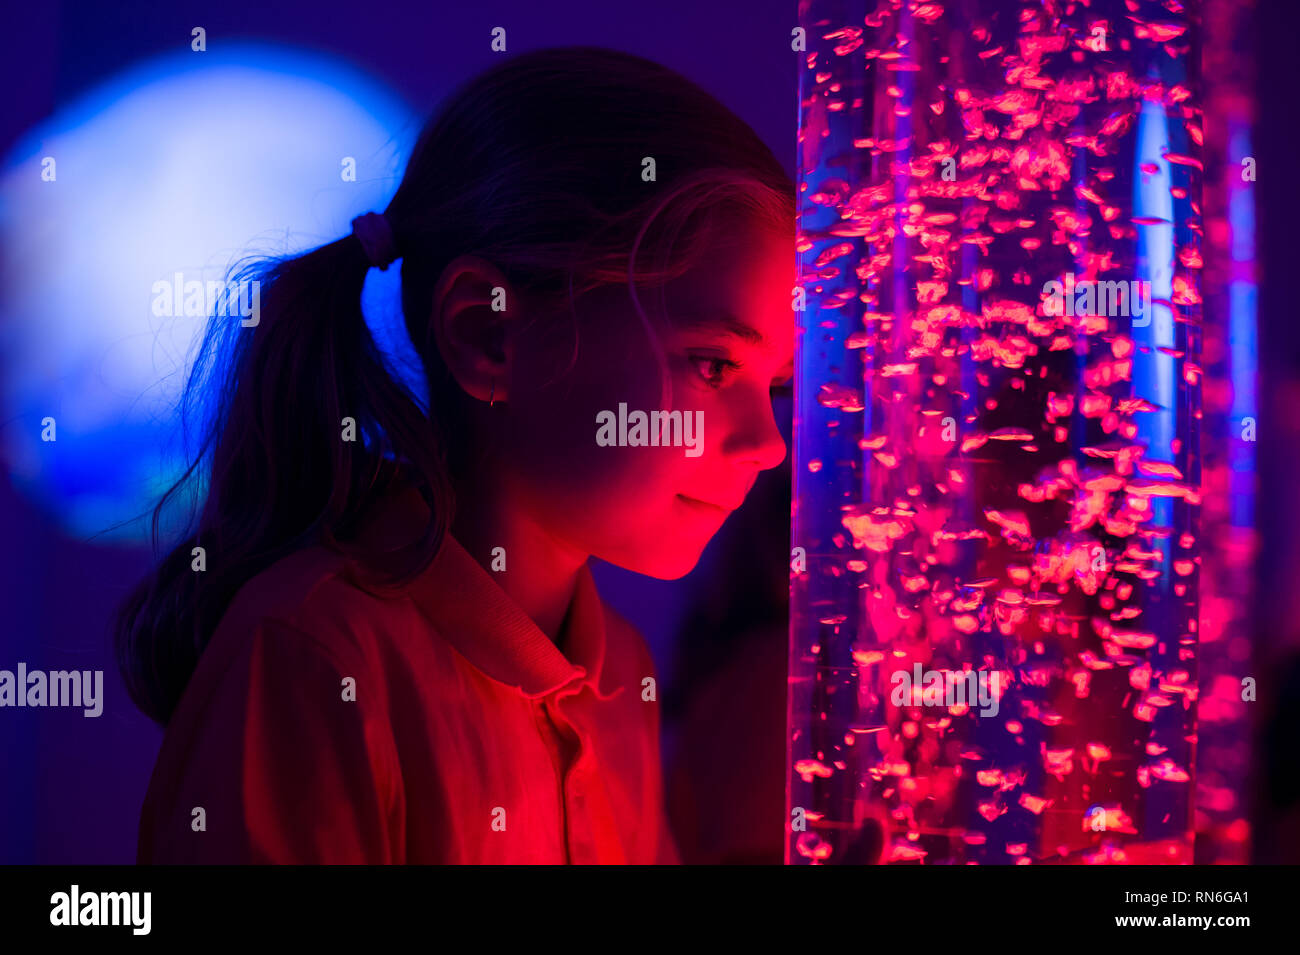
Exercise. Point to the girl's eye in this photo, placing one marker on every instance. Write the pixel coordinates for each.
(712, 369)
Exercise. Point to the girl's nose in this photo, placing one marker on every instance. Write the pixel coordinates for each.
(757, 439)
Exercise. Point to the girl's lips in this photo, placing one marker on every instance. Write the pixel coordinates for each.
(704, 505)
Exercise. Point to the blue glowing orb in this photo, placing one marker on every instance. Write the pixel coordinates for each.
(186, 164)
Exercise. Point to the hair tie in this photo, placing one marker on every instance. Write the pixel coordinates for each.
(376, 237)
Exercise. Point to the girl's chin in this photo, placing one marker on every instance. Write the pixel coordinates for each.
(669, 547)
(671, 567)
(671, 555)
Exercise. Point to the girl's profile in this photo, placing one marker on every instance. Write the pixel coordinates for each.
(395, 651)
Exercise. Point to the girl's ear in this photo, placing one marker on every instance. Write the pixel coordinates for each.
(473, 316)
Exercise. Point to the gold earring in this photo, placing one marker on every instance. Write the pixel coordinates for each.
(493, 396)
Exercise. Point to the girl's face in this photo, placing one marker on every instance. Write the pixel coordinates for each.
(729, 341)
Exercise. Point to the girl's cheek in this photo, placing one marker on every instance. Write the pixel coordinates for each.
(557, 432)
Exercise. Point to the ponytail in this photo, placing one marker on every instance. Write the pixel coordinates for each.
(305, 430)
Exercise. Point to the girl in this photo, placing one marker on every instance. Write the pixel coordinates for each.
(381, 643)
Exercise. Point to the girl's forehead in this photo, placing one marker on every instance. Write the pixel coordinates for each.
(740, 268)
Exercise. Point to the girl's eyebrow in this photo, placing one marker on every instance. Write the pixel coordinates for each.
(730, 325)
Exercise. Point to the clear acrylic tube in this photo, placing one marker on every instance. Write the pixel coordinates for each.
(995, 578)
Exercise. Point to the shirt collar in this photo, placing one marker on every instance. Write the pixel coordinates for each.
(470, 610)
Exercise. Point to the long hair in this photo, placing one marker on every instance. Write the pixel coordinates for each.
(535, 165)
